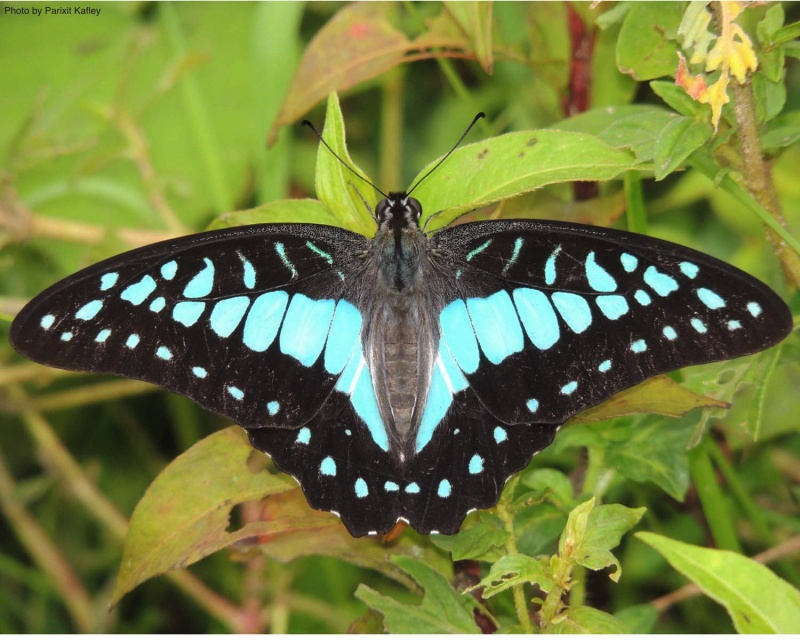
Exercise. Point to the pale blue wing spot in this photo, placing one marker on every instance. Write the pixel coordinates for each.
(348, 432)
(642, 297)
(169, 269)
(343, 336)
(436, 406)
(444, 489)
(202, 283)
(47, 321)
(599, 279)
(458, 273)
(249, 275)
(537, 316)
(67, 336)
(496, 326)
(574, 309)
(412, 488)
(532, 404)
(604, 366)
(689, 269)
(734, 324)
(710, 299)
(304, 435)
(550, 266)
(281, 251)
(477, 250)
(500, 435)
(659, 282)
(273, 407)
(457, 331)
(227, 314)
(132, 341)
(264, 320)
(235, 392)
(475, 464)
(638, 346)
(103, 335)
(629, 262)
(356, 382)
(754, 309)
(187, 313)
(362, 491)
(305, 328)
(698, 325)
(89, 310)
(108, 280)
(456, 431)
(327, 467)
(569, 388)
(323, 254)
(514, 255)
(158, 304)
(164, 353)
(391, 486)
(199, 372)
(450, 370)
(612, 307)
(669, 333)
(139, 291)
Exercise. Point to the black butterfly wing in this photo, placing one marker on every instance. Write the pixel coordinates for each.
(236, 320)
(552, 318)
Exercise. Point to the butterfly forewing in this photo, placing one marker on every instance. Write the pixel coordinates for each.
(222, 317)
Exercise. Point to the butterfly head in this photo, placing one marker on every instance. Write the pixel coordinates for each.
(398, 211)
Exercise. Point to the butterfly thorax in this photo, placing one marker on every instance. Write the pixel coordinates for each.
(400, 339)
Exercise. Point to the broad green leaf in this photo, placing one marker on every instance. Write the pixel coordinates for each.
(756, 599)
(592, 531)
(476, 541)
(505, 166)
(660, 395)
(583, 619)
(655, 450)
(676, 97)
(782, 131)
(305, 211)
(442, 609)
(516, 569)
(537, 526)
(335, 184)
(475, 19)
(646, 48)
(549, 484)
(679, 139)
(185, 513)
(639, 618)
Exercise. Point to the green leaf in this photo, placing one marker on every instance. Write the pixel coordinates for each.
(516, 569)
(335, 183)
(677, 98)
(442, 609)
(782, 132)
(647, 48)
(478, 540)
(676, 142)
(639, 618)
(756, 599)
(583, 619)
(306, 211)
(185, 513)
(549, 484)
(512, 164)
(592, 531)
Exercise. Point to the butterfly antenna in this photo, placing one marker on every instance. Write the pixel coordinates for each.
(307, 123)
(447, 155)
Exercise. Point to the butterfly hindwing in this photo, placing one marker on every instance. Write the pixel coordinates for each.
(553, 318)
(237, 319)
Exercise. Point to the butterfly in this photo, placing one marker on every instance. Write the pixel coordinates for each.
(406, 376)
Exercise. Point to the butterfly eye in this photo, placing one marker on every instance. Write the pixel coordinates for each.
(412, 204)
(382, 210)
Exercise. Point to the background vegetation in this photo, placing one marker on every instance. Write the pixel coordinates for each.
(149, 121)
